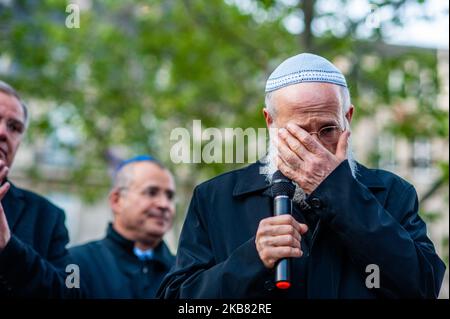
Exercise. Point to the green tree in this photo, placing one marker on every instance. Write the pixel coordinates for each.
(134, 70)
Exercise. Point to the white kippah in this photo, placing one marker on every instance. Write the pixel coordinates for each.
(305, 67)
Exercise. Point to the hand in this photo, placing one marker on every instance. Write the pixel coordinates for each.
(304, 160)
(5, 233)
(279, 237)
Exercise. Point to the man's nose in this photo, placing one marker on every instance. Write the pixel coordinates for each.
(3, 130)
(163, 202)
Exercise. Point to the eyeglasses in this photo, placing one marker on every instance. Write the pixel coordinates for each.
(328, 134)
(152, 192)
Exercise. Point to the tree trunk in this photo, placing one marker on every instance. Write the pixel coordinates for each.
(306, 38)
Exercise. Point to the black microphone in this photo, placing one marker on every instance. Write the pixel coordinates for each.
(282, 191)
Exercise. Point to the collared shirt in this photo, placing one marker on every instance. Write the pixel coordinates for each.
(143, 255)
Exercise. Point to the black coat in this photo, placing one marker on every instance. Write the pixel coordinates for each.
(33, 262)
(110, 269)
(368, 220)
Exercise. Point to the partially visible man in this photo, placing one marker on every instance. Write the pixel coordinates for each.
(33, 236)
(131, 261)
(346, 218)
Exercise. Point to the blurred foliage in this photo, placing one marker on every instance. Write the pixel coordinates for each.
(445, 249)
(136, 69)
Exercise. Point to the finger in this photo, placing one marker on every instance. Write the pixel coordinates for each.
(342, 146)
(280, 230)
(287, 170)
(303, 229)
(4, 189)
(294, 144)
(284, 252)
(288, 156)
(282, 220)
(3, 221)
(285, 219)
(283, 241)
(307, 140)
(270, 232)
(289, 220)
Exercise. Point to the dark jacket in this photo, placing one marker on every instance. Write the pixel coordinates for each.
(33, 262)
(110, 269)
(368, 220)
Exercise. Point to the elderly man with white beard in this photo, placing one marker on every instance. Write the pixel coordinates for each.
(346, 219)
(331, 133)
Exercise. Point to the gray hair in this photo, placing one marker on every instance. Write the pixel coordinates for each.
(124, 176)
(9, 90)
(345, 101)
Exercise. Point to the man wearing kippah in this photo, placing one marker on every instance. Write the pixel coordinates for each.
(354, 231)
(132, 259)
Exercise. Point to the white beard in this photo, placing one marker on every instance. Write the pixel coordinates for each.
(270, 167)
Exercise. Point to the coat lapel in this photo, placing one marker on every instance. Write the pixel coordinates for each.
(251, 181)
(13, 204)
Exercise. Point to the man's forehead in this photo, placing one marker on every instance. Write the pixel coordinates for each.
(11, 106)
(309, 92)
(148, 172)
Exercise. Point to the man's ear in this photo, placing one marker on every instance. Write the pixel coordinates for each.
(267, 117)
(114, 200)
(349, 114)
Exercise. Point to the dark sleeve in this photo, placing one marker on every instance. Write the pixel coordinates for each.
(393, 238)
(196, 274)
(25, 273)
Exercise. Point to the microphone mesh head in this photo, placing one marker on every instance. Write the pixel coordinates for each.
(281, 185)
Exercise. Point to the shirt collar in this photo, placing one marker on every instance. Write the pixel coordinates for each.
(143, 254)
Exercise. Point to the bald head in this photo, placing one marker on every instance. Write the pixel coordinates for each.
(125, 175)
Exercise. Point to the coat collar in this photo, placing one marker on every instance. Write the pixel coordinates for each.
(250, 179)
(369, 177)
(118, 239)
(13, 204)
(161, 253)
